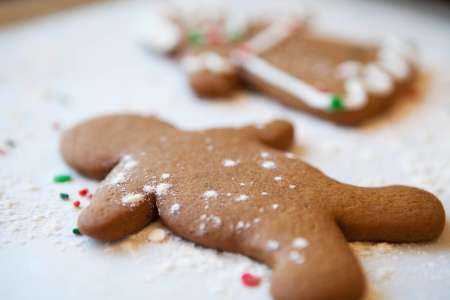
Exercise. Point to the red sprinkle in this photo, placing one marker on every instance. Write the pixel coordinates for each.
(250, 280)
(83, 192)
(76, 203)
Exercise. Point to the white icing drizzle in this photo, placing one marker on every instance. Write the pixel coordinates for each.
(300, 243)
(206, 61)
(376, 80)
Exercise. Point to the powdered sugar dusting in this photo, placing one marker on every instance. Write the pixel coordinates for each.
(229, 163)
(241, 198)
(268, 164)
(132, 199)
(175, 209)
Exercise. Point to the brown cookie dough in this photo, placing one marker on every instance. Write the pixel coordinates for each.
(336, 80)
(237, 190)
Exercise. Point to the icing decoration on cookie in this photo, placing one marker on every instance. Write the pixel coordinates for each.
(394, 62)
(206, 61)
(296, 232)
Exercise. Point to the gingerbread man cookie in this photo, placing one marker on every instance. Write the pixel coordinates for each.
(237, 190)
(202, 37)
(335, 80)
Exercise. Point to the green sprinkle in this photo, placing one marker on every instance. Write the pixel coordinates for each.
(336, 103)
(64, 196)
(196, 38)
(62, 178)
(76, 231)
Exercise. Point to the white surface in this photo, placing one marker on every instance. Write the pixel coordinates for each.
(86, 62)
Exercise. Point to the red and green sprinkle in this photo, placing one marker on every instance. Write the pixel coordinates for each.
(76, 231)
(64, 196)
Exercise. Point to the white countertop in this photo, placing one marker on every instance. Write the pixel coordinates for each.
(85, 62)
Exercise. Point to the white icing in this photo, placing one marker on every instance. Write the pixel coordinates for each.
(119, 177)
(292, 186)
(161, 189)
(376, 80)
(268, 164)
(241, 198)
(355, 93)
(165, 176)
(236, 23)
(264, 154)
(210, 195)
(175, 209)
(286, 82)
(394, 64)
(272, 245)
(278, 178)
(275, 206)
(300, 243)
(230, 163)
(296, 257)
(206, 61)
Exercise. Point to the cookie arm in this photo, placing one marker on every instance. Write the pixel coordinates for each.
(94, 147)
(390, 214)
(120, 206)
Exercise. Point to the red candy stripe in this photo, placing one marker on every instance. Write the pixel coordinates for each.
(250, 280)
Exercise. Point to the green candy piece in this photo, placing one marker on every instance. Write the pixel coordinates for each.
(196, 38)
(336, 103)
(64, 196)
(62, 178)
(76, 231)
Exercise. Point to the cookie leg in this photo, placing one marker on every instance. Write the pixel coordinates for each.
(391, 214)
(120, 206)
(309, 256)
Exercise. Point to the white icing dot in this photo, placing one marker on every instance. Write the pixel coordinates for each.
(264, 193)
(275, 206)
(201, 229)
(230, 163)
(290, 155)
(241, 197)
(264, 154)
(175, 209)
(272, 245)
(292, 186)
(240, 225)
(278, 178)
(215, 220)
(355, 93)
(157, 235)
(165, 176)
(268, 164)
(132, 198)
(376, 80)
(242, 184)
(256, 220)
(210, 195)
(300, 243)
(296, 257)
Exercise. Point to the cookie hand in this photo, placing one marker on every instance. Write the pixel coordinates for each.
(389, 214)
(121, 205)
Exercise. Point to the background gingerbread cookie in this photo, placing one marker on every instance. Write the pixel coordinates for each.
(202, 37)
(236, 189)
(340, 81)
